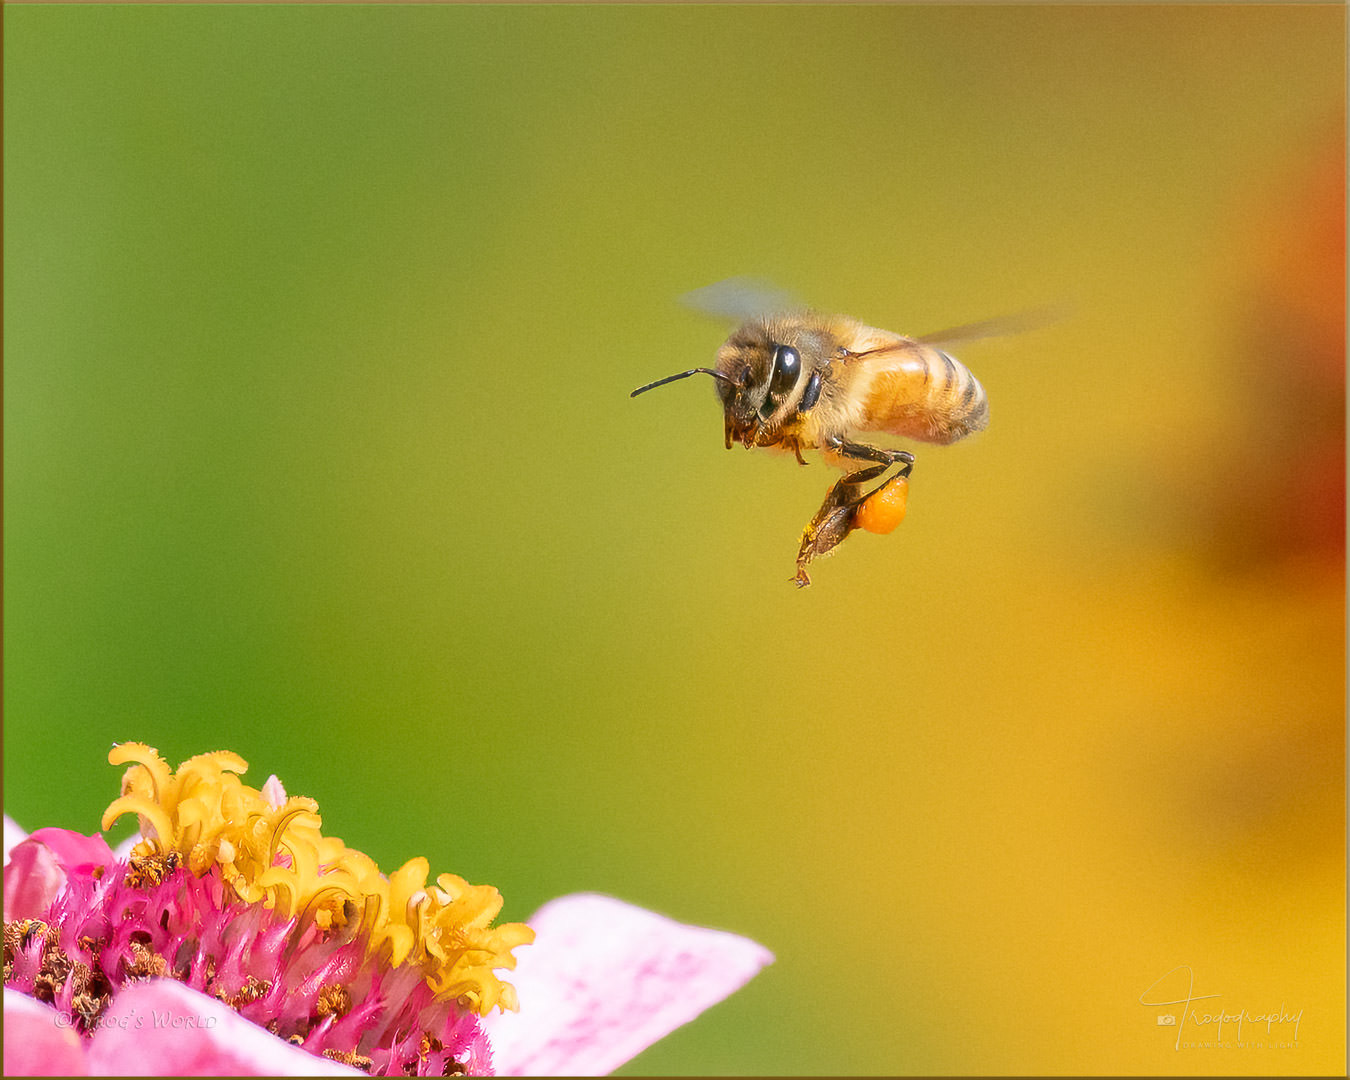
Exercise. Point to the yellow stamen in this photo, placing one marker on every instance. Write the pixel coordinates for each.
(154, 822)
(277, 856)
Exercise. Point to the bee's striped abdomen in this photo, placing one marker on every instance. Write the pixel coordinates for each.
(924, 393)
(969, 411)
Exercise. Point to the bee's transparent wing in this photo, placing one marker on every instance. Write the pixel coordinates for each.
(740, 298)
(1019, 323)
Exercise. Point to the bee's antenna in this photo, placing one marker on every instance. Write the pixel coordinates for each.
(684, 375)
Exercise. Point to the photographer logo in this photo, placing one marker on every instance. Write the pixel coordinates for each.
(1214, 1026)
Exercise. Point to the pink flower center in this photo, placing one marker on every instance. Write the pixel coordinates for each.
(237, 894)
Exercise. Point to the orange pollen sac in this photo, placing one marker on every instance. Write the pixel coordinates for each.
(883, 510)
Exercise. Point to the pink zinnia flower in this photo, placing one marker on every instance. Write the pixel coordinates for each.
(233, 937)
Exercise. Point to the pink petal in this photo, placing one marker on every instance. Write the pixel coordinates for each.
(76, 853)
(36, 867)
(37, 1043)
(162, 1028)
(13, 834)
(33, 877)
(604, 980)
(274, 792)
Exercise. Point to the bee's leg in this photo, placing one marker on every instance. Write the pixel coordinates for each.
(882, 456)
(835, 518)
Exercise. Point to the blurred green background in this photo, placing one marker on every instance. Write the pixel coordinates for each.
(320, 326)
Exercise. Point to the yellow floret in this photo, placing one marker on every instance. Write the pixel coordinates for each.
(277, 856)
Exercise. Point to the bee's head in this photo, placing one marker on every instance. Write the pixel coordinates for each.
(770, 372)
(766, 372)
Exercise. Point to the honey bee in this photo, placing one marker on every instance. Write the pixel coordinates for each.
(798, 380)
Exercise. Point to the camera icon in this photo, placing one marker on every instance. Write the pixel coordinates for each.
(1167, 1020)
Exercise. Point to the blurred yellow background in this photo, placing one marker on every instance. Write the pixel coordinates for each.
(320, 326)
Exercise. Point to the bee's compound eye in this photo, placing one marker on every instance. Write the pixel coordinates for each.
(787, 365)
(811, 394)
